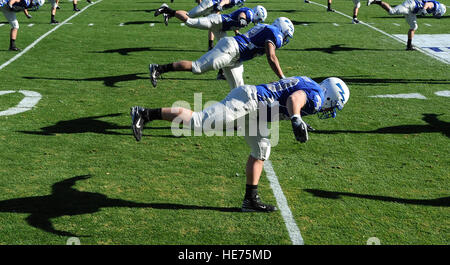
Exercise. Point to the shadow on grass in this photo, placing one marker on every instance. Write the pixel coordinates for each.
(92, 124)
(364, 80)
(434, 126)
(439, 202)
(109, 81)
(332, 49)
(67, 201)
(126, 51)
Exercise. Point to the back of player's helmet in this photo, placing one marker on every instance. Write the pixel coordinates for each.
(440, 10)
(336, 95)
(260, 14)
(286, 27)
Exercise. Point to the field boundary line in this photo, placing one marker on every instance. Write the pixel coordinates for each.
(385, 33)
(293, 230)
(45, 35)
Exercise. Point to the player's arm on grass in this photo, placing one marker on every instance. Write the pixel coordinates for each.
(25, 11)
(294, 104)
(272, 59)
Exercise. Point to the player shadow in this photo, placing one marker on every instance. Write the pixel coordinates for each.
(142, 22)
(438, 202)
(92, 124)
(420, 17)
(361, 80)
(126, 51)
(296, 23)
(65, 200)
(333, 49)
(434, 126)
(109, 81)
(282, 10)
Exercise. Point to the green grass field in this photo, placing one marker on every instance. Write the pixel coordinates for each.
(71, 166)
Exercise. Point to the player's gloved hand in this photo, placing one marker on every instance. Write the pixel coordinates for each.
(242, 22)
(300, 128)
(217, 7)
(29, 16)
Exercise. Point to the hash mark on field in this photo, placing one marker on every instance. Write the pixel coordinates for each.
(395, 24)
(426, 24)
(336, 24)
(2, 24)
(182, 24)
(121, 25)
(152, 24)
(30, 25)
(91, 24)
(45, 35)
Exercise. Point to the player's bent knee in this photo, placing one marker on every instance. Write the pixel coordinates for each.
(261, 150)
(14, 24)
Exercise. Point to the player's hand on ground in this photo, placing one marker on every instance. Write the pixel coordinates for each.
(300, 129)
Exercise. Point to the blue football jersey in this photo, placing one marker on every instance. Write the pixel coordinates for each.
(421, 3)
(231, 21)
(279, 92)
(22, 4)
(253, 42)
(233, 3)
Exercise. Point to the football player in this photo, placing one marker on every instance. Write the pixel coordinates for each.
(412, 8)
(294, 97)
(55, 5)
(230, 53)
(9, 9)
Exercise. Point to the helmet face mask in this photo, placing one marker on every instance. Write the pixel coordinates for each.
(440, 10)
(260, 14)
(286, 27)
(336, 95)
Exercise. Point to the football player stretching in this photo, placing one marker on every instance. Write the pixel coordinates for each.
(230, 53)
(412, 8)
(290, 98)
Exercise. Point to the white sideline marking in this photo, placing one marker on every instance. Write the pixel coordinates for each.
(411, 95)
(444, 93)
(45, 35)
(385, 33)
(27, 103)
(293, 230)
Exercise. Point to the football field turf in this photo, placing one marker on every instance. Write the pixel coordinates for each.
(70, 166)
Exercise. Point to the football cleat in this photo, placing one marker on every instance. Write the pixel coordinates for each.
(256, 205)
(166, 19)
(330, 10)
(54, 22)
(14, 49)
(410, 48)
(76, 9)
(355, 21)
(307, 1)
(161, 9)
(89, 1)
(220, 75)
(137, 122)
(154, 74)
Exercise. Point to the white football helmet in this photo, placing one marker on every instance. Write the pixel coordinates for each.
(440, 10)
(260, 14)
(286, 27)
(38, 3)
(336, 95)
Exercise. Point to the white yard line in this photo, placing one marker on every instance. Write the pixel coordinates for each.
(293, 230)
(385, 33)
(45, 35)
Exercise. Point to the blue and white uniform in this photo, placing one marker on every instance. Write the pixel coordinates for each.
(231, 52)
(231, 21)
(253, 103)
(253, 42)
(206, 7)
(278, 92)
(11, 15)
(219, 24)
(412, 8)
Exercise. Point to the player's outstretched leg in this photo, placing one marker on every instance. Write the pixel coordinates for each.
(141, 116)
